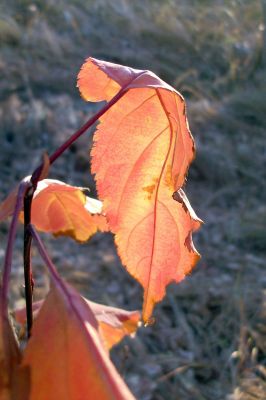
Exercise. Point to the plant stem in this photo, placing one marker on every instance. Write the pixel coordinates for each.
(27, 258)
(23, 187)
(43, 252)
(58, 152)
(28, 202)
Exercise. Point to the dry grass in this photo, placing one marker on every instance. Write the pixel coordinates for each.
(209, 338)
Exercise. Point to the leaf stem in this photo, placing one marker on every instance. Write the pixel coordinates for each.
(23, 187)
(28, 197)
(29, 283)
(43, 252)
(58, 152)
(49, 264)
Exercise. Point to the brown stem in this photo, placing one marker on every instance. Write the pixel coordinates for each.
(27, 258)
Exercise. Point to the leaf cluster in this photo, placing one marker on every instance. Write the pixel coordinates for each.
(141, 153)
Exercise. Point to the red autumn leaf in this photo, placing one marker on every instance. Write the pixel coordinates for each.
(114, 323)
(9, 357)
(141, 154)
(65, 355)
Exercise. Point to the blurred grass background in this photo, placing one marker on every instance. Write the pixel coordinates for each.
(208, 342)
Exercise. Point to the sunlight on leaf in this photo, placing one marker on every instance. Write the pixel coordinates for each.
(65, 210)
(114, 323)
(65, 355)
(61, 209)
(141, 154)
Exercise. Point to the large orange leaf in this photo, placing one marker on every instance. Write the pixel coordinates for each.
(114, 323)
(65, 356)
(141, 154)
(9, 357)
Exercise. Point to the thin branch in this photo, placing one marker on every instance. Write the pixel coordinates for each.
(44, 254)
(58, 152)
(27, 258)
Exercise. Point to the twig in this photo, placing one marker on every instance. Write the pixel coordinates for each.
(180, 370)
(29, 283)
(43, 252)
(58, 152)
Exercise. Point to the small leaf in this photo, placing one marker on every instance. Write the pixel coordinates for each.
(141, 154)
(114, 323)
(65, 355)
(60, 209)
(65, 210)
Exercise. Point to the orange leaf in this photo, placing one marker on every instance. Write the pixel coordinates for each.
(65, 355)
(61, 209)
(114, 323)
(141, 154)
(65, 210)
(9, 357)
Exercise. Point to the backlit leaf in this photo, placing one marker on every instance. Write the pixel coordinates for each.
(114, 323)
(141, 154)
(65, 210)
(61, 209)
(65, 355)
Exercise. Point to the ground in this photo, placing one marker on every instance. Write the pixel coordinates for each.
(208, 341)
